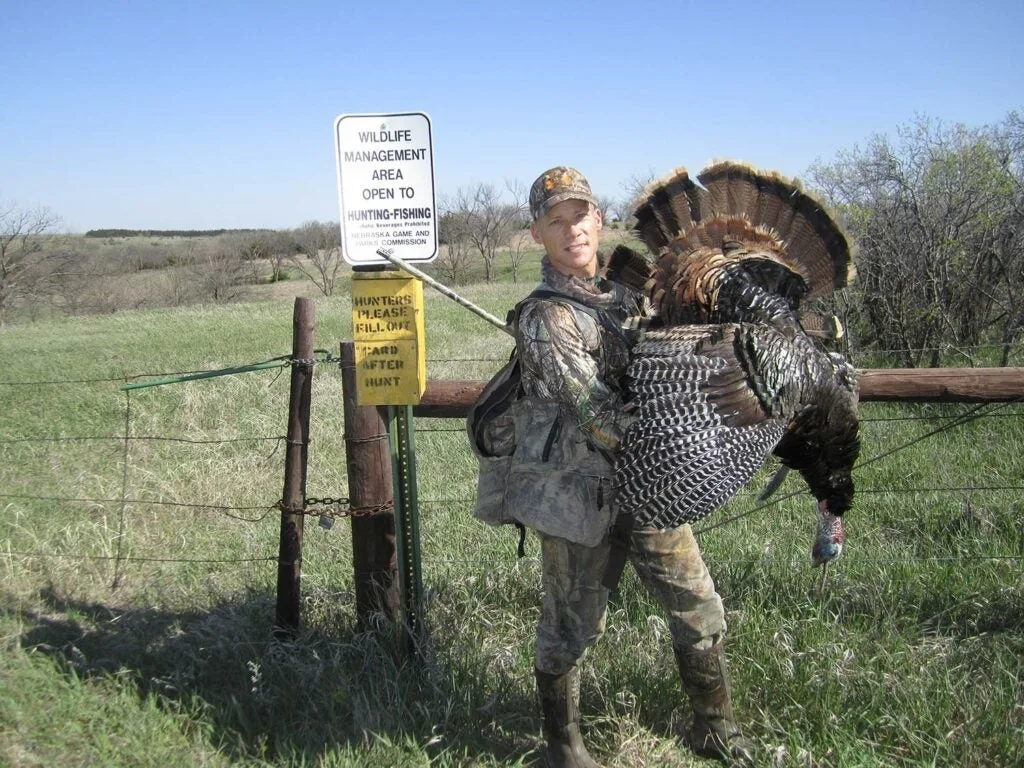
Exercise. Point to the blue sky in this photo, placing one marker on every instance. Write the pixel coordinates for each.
(203, 115)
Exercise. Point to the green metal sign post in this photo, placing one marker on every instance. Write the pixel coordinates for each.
(407, 525)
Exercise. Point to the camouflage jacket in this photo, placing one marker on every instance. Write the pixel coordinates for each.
(568, 423)
(569, 358)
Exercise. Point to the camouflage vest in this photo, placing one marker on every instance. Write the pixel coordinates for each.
(536, 467)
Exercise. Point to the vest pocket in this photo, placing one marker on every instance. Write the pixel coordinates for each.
(558, 502)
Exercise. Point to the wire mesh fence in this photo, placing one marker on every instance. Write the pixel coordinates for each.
(136, 496)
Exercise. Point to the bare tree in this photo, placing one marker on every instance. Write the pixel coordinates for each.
(937, 214)
(24, 235)
(623, 210)
(253, 249)
(218, 269)
(489, 222)
(607, 206)
(279, 250)
(262, 248)
(518, 239)
(177, 288)
(75, 284)
(633, 187)
(454, 256)
(320, 242)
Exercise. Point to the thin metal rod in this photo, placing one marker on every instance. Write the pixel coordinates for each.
(277, 363)
(404, 265)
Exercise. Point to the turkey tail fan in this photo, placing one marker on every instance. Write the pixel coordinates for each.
(774, 209)
(733, 188)
(629, 267)
(813, 232)
(814, 246)
(669, 207)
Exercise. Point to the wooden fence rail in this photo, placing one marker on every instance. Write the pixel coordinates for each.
(452, 399)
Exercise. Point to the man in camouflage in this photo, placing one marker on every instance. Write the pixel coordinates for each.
(572, 365)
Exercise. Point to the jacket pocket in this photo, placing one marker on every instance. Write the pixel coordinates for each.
(491, 482)
(559, 502)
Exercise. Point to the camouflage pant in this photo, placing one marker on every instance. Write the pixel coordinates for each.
(669, 565)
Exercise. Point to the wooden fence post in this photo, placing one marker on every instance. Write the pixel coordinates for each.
(368, 460)
(289, 560)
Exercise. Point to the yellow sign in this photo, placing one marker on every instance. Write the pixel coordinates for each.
(387, 326)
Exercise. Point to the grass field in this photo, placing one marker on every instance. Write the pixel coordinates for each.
(139, 632)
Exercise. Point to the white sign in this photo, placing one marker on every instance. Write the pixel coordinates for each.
(386, 187)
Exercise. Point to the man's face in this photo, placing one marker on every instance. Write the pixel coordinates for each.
(569, 234)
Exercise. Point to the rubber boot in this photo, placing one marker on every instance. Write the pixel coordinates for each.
(559, 702)
(715, 733)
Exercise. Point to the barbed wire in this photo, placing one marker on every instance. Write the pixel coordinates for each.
(1015, 346)
(155, 502)
(847, 558)
(860, 490)
(133, 438)
(134, 559)
(60, 381)
(330, 359)
(326, 506)
(862, 420)
(452, 430)
(488, 564)
(327, 358)
(427, 502)
(939, 489)
(468, 359)
(933, 417)
(118, 379)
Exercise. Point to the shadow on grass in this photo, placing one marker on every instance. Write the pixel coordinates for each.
(328, 691)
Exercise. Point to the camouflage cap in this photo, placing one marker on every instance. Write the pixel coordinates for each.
(555, 185)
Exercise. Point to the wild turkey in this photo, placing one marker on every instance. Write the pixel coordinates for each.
(726, 373)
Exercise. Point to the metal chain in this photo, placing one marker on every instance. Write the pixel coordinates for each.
(331, 507)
